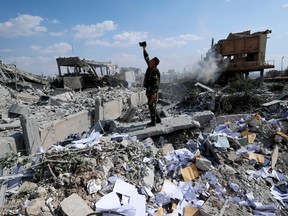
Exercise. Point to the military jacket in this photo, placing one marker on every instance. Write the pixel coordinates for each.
(152, 76)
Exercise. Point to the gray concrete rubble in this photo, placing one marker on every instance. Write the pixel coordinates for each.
(68, 152)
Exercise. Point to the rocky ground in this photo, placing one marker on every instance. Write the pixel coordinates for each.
(234, 175)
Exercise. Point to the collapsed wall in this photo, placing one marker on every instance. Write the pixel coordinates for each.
(47, 120)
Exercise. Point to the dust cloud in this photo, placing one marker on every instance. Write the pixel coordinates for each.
(208, 70)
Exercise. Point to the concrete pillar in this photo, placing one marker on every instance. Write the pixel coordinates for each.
(31, 134)
(246, 75)
(98, 110)
(261, 73)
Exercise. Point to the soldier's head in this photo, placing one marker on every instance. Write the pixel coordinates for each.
(154, 62)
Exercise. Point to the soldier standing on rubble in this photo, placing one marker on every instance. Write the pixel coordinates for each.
(152, 84)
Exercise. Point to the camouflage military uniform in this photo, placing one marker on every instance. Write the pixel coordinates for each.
(152, 84)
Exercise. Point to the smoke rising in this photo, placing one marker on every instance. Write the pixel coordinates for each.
(208, 70)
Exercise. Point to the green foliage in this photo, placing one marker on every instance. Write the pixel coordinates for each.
(10, 160)
(238, 103)
(240, 84)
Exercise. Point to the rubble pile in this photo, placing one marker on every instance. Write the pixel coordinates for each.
(232, 165)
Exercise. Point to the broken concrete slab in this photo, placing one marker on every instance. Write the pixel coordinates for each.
(75, 205)
(10, 145)
(12, 125)
(204, 117)
(26, 97)
(168, 125)
(167, 148)
(273, 106)
(129, 114)
(59, 130)
(149, 179)
(47, 100)
(137, 99)
(108, 110)
(203, 163)
(204, 87)
(16, 110)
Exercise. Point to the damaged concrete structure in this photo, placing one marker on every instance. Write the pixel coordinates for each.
(241, 52)
(82, 73)
(11, 75)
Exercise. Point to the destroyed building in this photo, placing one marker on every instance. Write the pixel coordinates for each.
(241, 53)
(89, 152)
(81, 73)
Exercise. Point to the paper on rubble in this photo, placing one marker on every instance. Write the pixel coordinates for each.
(189, 173)
(124, 188)
(258, 157)
(250, 136)
(172, 190)
(191, 211)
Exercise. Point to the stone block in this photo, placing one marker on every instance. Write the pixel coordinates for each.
(75, 205)
(137, 99)
(112, 109)
(204, 117)
(203, 163)
(108, 110)
(11, 145)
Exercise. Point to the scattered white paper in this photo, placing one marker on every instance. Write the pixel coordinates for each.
(264, 173)
(177, 159)
(111, 202)
(172, 190)
(92, 137)
(107, 202)
(187, 190)
(124, 188)
(138, 202)
(279, 195)
(162, 198)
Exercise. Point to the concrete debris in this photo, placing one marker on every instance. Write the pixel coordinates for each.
(17, 110)
(204, 87)
(69, 152)
(75, 205)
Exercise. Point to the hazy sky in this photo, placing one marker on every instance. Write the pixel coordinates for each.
(33, 33)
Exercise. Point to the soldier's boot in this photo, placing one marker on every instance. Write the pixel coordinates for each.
(153, 122)
(158, 118)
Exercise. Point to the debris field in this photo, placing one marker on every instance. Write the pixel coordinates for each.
(219, 150)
